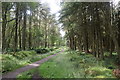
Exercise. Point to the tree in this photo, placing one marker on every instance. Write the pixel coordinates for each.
(88, 24)
(27, 26)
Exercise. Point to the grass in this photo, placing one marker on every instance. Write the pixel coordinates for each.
(13, 61)
(73, 64)
(26, 75)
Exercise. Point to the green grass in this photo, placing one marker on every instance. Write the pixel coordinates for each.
(54, 68)
(13, 61)
(73, 64)
(26, 75)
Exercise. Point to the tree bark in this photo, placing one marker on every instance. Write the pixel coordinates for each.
(16, 28)
(24, 29)
(30, 34)
(4, 22)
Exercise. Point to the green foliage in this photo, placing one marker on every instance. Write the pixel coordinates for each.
(45, 50)
(41, 51)
(99, 72)
(26, 75)
(12, 61)
(107, 54)
(42, 26)
(73, 64)
(9, 62)
(23, 54)
(52, 48)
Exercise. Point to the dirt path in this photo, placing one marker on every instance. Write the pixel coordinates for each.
(13, 74)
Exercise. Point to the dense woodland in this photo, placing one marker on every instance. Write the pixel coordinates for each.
(27, 26)
(90, 47)
(92, 27)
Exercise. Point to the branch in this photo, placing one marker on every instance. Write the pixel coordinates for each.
(10, 20)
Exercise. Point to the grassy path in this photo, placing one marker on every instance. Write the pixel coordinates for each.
(73, 64)
(13, 74)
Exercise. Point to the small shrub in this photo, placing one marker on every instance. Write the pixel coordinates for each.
(12, 60)
(41, 51)
(51, 49)
(23, 54)
(9, 50)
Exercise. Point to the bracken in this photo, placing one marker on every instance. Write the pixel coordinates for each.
(116, 72)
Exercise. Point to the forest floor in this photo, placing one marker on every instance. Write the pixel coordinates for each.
(13, 74)
(67, 64)
(72, 64)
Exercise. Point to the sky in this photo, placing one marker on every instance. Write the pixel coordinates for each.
(116, 1)
(53, 4)
(55, 8)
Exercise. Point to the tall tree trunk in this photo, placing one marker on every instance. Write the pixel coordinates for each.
(16, 28)
(119, 34)
(110, 17)
(24, 29)
(79, 43)
(70, 42)
(111, 46)
(20, 46)
(46, 35)
(30, 34)
(4, 22)
(1, 29)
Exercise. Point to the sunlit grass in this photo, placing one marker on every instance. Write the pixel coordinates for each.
(26, 75)
(11, 62)
(73, 64)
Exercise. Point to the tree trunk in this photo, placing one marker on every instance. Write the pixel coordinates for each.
(30, 34)
(24, 29)
(45, 44)
(119, 35)
(4, 22)
(16, 28)
(20, 46)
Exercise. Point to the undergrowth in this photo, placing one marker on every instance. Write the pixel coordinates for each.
(12, 61)
(74, 64)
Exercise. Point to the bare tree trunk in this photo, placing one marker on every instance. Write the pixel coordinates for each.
(30, 34)
(46, 35)
(119, 35)
(24, 29)
(20, 46)
(16, 28)
(4, 22)
(116, 42)
(111, 47)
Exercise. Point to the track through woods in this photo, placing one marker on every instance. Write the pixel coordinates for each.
(13, 74)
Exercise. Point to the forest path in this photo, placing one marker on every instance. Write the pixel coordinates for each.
(13, 74)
